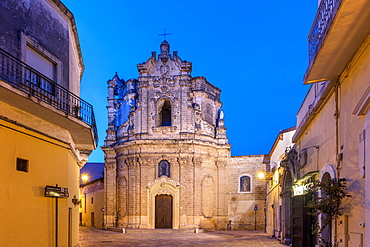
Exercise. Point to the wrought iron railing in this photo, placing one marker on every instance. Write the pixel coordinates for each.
(29, 80)
(323, 20)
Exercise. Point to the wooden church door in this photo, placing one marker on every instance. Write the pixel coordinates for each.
(163, 211)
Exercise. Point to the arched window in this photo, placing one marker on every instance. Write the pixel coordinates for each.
(245, 184)
(164, 168)
(165, 114)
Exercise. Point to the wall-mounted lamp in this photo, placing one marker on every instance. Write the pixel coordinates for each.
(265, 175)
(76, 201)
(261, 175)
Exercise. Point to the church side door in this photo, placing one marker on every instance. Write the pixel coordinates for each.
(163, 211)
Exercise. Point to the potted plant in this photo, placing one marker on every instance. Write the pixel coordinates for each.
(76, 111)
(328, 205)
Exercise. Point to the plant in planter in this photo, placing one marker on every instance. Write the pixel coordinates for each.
(76, 111)
(328, 205)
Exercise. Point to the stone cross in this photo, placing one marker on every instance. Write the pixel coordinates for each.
(164, 34)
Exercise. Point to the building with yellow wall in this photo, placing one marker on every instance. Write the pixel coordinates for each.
(92, 209)
(46, 130)
(278, 195)
(332, 136)
(92, 204)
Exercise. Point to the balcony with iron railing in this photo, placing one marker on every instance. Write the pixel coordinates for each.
(338, 31)
(323, 20)
(26, 79)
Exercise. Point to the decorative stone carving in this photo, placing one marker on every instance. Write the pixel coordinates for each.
(145, 161)
(164, 94)
(221, 164)
(291, 162)
(164, 129)
(131, 161)
(164, 181)
(184, 161)
(197, 161)
(164, 80)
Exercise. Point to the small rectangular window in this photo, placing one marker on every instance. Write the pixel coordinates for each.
(92, 200)
(22, 165)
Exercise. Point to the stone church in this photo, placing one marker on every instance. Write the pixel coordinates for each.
(167, 156)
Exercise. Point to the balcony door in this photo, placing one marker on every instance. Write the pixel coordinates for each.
(43, 65)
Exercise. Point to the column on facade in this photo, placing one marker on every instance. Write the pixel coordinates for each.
(147, 170)
(197, 163)
(144, 107)
(110, 188)
(186, 192)
(186, 105)
(134, 203)
(122, 193)
(222, 190)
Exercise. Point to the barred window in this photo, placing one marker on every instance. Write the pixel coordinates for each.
(22, 165)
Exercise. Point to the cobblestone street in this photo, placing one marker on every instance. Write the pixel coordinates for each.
(98, 237)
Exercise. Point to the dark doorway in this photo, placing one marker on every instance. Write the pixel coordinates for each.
(163, 211)
(92, 219)
(302, 222)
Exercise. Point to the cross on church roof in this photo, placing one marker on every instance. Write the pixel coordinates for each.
(164, 34)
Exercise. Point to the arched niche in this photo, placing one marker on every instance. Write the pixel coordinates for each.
(164, 109)
(327, 169)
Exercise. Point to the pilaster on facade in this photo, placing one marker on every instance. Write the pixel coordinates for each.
(178, 151)
(110, 192)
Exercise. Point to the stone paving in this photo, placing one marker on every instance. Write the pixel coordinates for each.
(97, 237)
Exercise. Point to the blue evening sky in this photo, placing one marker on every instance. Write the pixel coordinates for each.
(254, 51)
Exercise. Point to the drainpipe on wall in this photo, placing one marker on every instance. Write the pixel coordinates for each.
(338, 146)
(337, 130)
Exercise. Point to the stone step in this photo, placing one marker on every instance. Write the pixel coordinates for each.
(158, 230)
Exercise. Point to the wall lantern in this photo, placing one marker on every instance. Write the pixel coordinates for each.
(76, 201)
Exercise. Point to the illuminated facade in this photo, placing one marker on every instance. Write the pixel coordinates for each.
(92, 203)
(279, 191)
(167, 157)
(46, 131)
(330, 139)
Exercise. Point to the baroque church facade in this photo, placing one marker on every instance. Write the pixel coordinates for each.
(167, 156)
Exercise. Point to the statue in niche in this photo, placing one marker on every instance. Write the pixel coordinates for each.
(245, 184)
(164, 168)
(222, 114)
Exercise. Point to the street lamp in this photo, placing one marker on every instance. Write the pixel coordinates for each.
(84, 178)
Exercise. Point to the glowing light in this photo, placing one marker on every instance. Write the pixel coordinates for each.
(85, 178)
(299, 190)
(261, 175)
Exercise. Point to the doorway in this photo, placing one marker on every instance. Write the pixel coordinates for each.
(92, 219)
(163, 211)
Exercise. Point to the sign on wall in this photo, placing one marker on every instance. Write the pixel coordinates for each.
(53, 191)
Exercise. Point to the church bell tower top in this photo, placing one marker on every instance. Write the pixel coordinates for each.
(165, 47)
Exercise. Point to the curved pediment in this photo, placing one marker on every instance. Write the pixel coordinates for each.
(166, 65)
(163, 185)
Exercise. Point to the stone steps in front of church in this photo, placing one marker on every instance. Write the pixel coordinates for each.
(157, 230)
